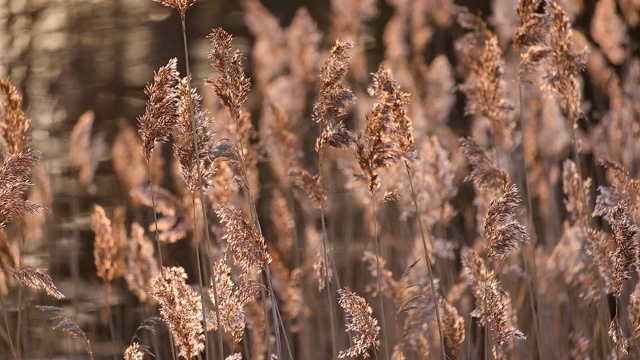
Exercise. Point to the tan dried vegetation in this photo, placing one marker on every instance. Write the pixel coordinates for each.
(486, 230)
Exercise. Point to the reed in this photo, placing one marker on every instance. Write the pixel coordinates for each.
(373, 153)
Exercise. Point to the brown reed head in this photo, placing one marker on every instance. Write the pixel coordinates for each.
(361, 321)
(181, 310)
(232, 297)
(160, 114)
(388, 136)
(14, 123)
(108, 248)
(334, 99)
(15, 172)
(244, 245)
(231, 86)
(180, 5)
(501, 228)
(480, 53)
(193, 151)
(493, 304)
(142, 266)
(484, 174)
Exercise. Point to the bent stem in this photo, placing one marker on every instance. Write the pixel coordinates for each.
(428, 260)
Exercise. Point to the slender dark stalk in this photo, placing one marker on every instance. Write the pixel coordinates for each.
(112, 330)
(256, 221)
(286, 339)
(200, 270)
(428, 260)
(6, 324)
(531, 277)
(327, 280)
(155, 233)
(155, 221)
(19, 325)
(602, 309)
(202, 203)
(383, 320)
(266, 316)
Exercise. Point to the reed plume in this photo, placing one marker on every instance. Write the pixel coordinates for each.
(14, 123)
(232, 297)
(108, 251)
(548, 43)
(453, 327)
(334, 99)
(142, 266)
(502, 231)
(180, 5)
(68, 325)
(388, 136)
(493, 304)
(86, 150)
(197, 166)
(36, 279)
(14, 182)
(480, 53)
(231, 85)
(484, 174)
(245, 246)
(361, 321)
(134, 352)
(161, 111)
(181, 310)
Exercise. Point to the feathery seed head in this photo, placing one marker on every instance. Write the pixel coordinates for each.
(245, 246)
(161, 112)
(361, 321)
(181, 310)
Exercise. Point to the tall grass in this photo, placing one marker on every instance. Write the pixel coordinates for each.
(412, 193)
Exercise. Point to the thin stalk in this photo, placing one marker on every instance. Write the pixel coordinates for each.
(202, 202)
(428, 260)
(6, 324)
(531, 277)
(20, 293)
(155, 221)
(75, 250)
(265, 310)
(200, 282)
(487, 328)
(286, 339)
(155, 233)
(327, 280)
(255, 220)
(274, 302)
(19, 326)
(383, 321)
(274, 313)
(602, 313)
(112, 330)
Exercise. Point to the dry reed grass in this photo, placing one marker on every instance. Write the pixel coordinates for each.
(538, 257)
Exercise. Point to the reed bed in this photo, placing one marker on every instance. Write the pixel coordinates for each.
(472, 194)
